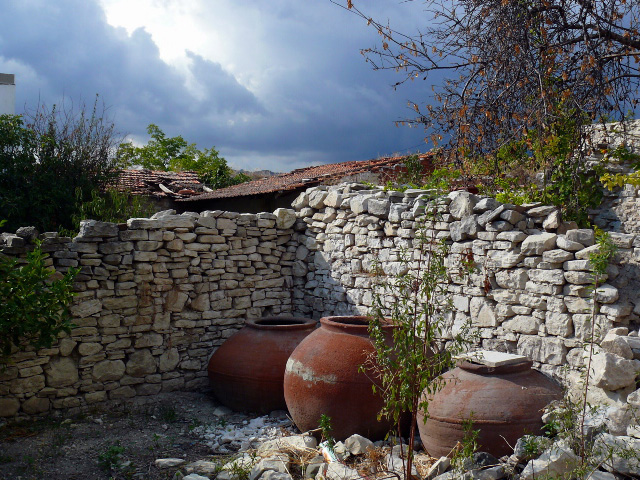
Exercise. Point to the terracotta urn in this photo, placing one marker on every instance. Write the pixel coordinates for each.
(323, 376)
(503, 401)
(247, 370)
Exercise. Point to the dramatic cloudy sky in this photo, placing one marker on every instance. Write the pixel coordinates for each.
(276, 84)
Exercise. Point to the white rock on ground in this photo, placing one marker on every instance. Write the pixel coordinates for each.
(357, 444)
(169, 462)
(293, 442)
(618, 454)
(277, 463)
(338, 471)
(557, 460)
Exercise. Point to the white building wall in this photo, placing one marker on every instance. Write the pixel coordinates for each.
(7, 94)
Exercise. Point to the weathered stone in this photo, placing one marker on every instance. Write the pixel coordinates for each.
(556, 256)
(66, 346)
(141, 363)
(584, 236)
(36, 405)
(512, 279)
(559, 324)
(485, 204)
(276, 463)
(555, 277)
(108, 370)
(285, 217)
(613, 372)
(553, 463)
(568, 245)
(89, 348)
(552, 221)
(538, 244)
(338, 471)
(462, 204)
(542, 349)
(9, 407)
(201, 303)
(357, 444)
(522, 324)
(169, 360)
(379, 207)
(293, 442)
(359, 204)
(618, 453)
(86, 308)
(175, 301)
(486, 318)
(585, 253)
(61, 372)
(95, 228)
(316, 199)
(606, 293)
(163, 463)
(539, 212)
(502, 259)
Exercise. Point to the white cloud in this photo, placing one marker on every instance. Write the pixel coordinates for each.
(279, 81)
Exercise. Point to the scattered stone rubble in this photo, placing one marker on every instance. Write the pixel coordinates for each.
(281, 454)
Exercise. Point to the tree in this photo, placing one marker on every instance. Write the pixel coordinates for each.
(175, 153)
(517, 70)
(46, 156)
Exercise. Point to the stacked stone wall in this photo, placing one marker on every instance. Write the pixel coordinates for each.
(154, 299)
(530, 291)
(156, 296)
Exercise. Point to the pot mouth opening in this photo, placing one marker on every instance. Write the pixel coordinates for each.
(281, 322)
(497, 370)
(351, 322)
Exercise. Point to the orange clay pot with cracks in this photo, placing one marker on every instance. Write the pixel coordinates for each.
(323, 377)
(247, 371)
(503, 402)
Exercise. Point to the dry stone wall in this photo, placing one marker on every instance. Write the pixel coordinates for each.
(154, 298)
(529, 293)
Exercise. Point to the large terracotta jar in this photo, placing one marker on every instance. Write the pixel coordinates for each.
(247, 371)
(504, 402)
(323, 377)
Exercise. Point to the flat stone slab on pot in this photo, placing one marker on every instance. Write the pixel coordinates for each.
(492, 358)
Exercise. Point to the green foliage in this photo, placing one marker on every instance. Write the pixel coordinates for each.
(111, 458)
(554, 153)
(624, 156)
(467, 446)
(110, 206)
(34, 304)
(415, 301)
(176, 154)
(326, 429)
(45, 158)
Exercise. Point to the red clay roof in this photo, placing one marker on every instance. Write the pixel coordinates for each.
(303, 178)
(147, 182)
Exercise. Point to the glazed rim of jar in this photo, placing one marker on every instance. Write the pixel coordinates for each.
(281, 323)
(352, 322)
(500, 369)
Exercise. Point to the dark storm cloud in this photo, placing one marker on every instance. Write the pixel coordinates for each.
(321, 104)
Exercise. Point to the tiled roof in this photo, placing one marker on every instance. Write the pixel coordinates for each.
(147, 182)
(303, 178)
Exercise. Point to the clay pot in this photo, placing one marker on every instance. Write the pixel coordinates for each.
(505, 403)
(323, 377)
(247, 371)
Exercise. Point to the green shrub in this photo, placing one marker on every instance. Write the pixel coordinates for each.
(34, 303)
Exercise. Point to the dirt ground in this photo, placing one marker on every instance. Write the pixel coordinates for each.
(116, 444)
